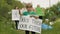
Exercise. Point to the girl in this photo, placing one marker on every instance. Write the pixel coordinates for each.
(31, 13)
(15, 16)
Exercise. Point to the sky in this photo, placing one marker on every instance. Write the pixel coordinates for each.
(42, 3)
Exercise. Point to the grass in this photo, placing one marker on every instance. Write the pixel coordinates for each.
(8, 27)
(55, 30)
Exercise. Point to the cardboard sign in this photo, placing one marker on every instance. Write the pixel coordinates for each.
(30, 24)
(15, 15)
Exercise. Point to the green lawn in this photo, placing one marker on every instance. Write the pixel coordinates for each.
(55, 30)
(8, 27)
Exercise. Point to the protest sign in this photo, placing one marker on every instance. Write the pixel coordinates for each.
(15, 15)
(30, 24)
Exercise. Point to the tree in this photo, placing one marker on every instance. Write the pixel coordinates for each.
(8, 5)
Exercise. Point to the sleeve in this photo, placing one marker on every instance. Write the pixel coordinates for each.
(24, 13)
(32, 13)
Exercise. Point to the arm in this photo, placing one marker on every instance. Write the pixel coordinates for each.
(33, 9)
(20, 13)
(34, 15)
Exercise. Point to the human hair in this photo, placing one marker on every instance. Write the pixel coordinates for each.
(29, 5)
(15, 7)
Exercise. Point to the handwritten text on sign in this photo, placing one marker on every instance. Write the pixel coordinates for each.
(15, 15)
(30, 24)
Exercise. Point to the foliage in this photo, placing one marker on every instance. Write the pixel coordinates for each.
(8, 5)
(6, 25)
(53, 12)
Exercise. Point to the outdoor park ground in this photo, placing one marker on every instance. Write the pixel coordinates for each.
(8, 27)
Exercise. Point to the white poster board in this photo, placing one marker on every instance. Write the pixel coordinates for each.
(30, 24)
(15, 14)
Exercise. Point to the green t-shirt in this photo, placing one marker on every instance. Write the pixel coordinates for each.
(26, 13)
(39, 11)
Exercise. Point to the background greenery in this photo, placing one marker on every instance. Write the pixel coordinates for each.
(8, 27)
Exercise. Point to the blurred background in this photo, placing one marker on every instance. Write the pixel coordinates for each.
(51, 10)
